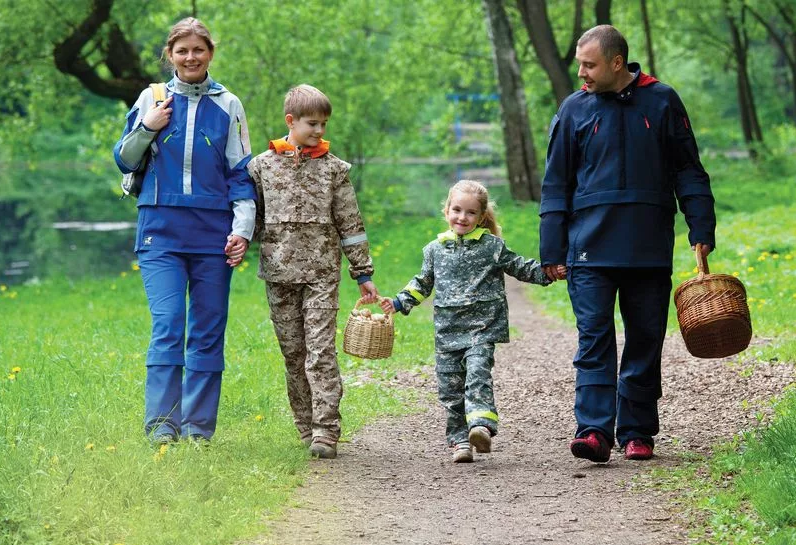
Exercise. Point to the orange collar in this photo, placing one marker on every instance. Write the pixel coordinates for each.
(282, 145)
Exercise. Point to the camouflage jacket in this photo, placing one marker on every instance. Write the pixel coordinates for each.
(470, 300)
(306, 213)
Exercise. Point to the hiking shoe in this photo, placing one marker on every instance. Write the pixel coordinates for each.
(462, 453)
(481, 438)
(163, 439)
(637, 449)
(319, 449)
(307, 439)
(593, 446)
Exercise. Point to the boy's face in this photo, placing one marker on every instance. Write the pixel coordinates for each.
(306, 131)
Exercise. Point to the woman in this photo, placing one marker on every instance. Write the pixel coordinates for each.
(195, 219)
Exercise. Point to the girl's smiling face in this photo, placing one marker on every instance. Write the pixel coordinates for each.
(463, 212)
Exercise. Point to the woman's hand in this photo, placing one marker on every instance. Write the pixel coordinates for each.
(235, 249)
(158, 115)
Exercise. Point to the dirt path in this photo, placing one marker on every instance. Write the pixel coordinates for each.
(395, 483)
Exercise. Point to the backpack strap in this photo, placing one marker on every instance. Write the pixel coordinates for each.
(158, 92)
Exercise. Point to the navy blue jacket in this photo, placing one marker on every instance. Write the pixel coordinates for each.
(617, 165)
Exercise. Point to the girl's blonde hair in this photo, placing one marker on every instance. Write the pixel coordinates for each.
(477, 189)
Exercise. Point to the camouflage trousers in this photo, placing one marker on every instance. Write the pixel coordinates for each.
(464, 380)
(305, 323)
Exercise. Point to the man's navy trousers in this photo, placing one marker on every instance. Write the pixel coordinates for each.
(631, 402)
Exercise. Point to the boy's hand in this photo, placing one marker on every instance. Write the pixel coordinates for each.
(369, 292)
(386, 305)
(235, 249)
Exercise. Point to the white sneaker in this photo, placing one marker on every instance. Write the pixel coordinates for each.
(462, 453)
(481, 438)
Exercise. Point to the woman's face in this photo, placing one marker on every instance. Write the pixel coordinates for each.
(191, 57)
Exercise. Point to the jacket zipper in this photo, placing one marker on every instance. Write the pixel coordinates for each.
(623, 155)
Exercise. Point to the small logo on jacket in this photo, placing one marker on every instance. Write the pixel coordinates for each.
(583, 256)
(147, 241)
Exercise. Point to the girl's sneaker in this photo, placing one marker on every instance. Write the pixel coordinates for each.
(481, 438)
(462, 453)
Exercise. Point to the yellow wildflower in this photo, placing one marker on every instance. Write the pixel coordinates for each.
(16, 369)
(12, 377)
(90, 446)
(775, 256)
(788, 256)
(736, 274)
(761, 258)
(135, 266)
(259, 418)
(123, 274)
(111, 448)
(751, 299)
(750, 269)
(3, 287)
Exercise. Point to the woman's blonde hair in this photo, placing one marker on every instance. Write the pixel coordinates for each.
(477, 189)
(184, 28)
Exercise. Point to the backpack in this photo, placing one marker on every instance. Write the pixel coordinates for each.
(132, 181)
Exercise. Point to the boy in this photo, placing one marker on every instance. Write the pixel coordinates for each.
(306, 212)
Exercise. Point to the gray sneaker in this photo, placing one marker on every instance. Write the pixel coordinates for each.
(462, 453)
(481, 438)
(319, 449)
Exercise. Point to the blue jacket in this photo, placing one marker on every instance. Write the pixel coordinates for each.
(617, 165)
(198, 169)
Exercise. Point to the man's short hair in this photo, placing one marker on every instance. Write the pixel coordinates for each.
(304, 99)
(611, 41)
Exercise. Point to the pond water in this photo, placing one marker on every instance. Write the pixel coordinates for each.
(78, 249)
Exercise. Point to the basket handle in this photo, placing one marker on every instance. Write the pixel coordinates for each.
(701, 261)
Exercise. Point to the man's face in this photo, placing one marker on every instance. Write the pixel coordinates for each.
(598, 73)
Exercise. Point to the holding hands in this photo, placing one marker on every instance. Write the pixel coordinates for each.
(386, 305)
(369, 292)
(235, 249)
(555, 272)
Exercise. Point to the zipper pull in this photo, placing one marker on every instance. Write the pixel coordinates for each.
(646, 122)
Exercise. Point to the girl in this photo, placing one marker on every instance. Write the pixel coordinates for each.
(466, 266)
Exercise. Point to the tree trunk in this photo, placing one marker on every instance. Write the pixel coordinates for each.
(524, 180)
(602, 10)
(750, 124)
(787, 50)
(540, 32)
(118, 55)
(648, 39)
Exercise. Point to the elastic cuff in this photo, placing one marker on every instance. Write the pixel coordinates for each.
(590, 378)
(195, 363)
(639, 394)
(157, 357)
(361, 279)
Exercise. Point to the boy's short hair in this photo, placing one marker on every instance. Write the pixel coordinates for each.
(304, 100)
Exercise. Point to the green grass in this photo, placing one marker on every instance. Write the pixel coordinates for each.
(77, 470)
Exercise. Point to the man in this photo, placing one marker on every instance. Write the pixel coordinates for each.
(621, 156)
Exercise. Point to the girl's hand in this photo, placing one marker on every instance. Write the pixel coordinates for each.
(158, 116)
(386, 305)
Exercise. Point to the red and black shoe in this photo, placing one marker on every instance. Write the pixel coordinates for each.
(592, 446)
(637, 449)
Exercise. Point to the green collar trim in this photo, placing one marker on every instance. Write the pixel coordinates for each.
(475, 234)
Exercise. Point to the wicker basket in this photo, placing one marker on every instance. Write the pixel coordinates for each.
(713, 314)
(366, 337)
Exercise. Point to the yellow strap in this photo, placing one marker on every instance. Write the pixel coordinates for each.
(158, 91)
(488, 415)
